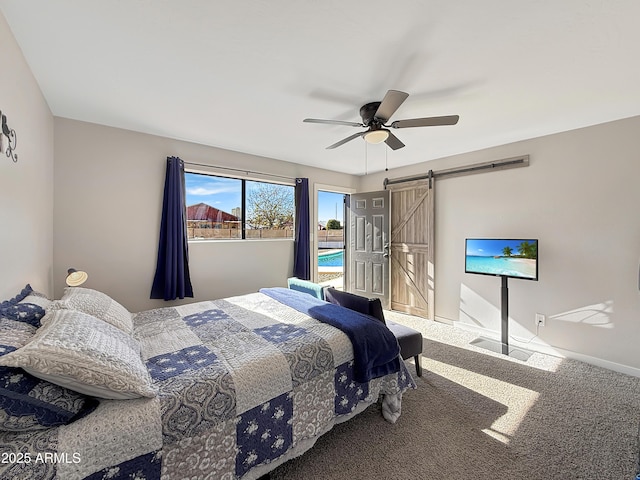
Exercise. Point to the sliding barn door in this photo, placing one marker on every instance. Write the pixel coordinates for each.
(368, 245)
(412, 248)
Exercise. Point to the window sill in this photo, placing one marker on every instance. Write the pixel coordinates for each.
(239, 240)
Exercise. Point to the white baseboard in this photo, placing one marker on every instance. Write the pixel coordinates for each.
(546, 349)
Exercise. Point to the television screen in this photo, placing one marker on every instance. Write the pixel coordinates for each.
(517, 258)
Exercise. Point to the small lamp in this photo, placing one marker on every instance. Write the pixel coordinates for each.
(75, 277)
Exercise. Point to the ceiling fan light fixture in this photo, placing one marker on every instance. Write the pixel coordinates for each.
(376, 136)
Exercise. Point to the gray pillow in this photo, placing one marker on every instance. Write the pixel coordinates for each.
(96, 304)
(28, 402)
(80, 352)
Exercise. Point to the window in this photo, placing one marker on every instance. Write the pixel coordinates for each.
(222, 208)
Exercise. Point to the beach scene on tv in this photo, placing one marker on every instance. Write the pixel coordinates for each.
(513, 258)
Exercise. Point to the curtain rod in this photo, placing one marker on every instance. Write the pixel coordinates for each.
(514, 162)
(248, 172)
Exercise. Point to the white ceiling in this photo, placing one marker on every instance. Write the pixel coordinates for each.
(242, 75)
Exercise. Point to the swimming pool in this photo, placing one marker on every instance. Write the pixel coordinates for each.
(331, 258)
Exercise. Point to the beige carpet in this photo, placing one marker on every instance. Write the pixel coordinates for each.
(478, 415)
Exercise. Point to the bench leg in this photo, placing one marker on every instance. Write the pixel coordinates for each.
(416, 359)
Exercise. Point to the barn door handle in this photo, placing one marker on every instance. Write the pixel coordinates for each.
(386, 250)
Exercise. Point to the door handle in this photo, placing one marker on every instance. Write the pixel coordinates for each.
(386, 250)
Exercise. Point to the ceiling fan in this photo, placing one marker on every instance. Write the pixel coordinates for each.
(376, 114)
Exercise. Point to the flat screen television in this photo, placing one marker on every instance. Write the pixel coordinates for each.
(502, 257)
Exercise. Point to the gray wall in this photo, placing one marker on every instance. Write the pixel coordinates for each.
(108, 204)
(26, 187)
(580, 197)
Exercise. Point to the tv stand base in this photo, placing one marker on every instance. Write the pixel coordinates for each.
(499, 347)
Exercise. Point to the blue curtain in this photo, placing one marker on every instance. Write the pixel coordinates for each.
(302, 253)
(172, 280)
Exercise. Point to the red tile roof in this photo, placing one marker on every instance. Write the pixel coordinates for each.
(202, 211)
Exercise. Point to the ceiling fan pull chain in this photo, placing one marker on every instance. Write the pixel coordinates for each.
(366, 159)
(386, 160)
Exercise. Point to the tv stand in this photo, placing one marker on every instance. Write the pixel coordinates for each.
(503, 346)
(504, 312)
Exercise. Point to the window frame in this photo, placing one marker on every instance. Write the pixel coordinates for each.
(243, 208)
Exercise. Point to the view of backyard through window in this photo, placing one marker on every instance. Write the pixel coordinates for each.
(331, 238)
(224, 208)
(221, 208)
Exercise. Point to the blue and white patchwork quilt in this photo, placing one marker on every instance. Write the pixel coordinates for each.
(245, 383)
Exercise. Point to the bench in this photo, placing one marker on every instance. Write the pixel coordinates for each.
(409, 340)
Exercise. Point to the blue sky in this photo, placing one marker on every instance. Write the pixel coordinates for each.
(328, 202)
(222, 193)
(491, 247)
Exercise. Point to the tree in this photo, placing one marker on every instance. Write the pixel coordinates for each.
(528, 250)
(507, 251)
(269, 206)
(333, 224)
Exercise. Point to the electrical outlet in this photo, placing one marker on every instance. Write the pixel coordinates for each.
(540, 319)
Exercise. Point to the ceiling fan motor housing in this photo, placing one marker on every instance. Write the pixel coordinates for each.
(368, 112)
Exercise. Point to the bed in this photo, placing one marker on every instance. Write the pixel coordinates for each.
(222, 389)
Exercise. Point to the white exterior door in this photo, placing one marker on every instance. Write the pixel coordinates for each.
(368, 245)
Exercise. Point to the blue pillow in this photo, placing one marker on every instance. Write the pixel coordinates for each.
(28, 307)
(306, 286)
(18, 298)
(358, 303)
(27, 402)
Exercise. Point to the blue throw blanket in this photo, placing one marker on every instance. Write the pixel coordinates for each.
(375, 348)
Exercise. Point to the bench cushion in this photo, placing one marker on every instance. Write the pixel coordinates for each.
(410, 340)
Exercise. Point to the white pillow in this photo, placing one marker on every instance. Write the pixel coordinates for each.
(97, 304)
(85, 354)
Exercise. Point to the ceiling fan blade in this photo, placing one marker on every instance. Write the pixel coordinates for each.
(393, 142)
(426, 122)
(390, 103)
(345, 140)
(333, 122)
